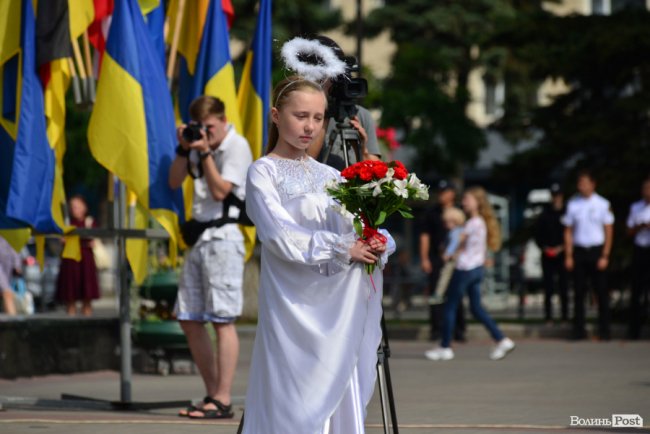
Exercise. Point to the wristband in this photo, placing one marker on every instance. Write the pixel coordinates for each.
(182, 152)
(204, 155)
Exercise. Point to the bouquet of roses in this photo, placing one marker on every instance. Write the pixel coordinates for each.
(373, 190)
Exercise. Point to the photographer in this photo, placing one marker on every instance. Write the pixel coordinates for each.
(361, 121)
(210, 288)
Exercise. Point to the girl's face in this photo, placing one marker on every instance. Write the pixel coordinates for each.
(78, 209)
(300, 119)
(470, 204)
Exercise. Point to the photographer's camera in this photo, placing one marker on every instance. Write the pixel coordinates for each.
(346, 90)
(192, 132)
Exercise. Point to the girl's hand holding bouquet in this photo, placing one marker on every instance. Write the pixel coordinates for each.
(373, 190)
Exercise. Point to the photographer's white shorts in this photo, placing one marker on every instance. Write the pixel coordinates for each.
(210, 287)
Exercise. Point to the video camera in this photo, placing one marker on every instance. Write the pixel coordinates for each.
(345, 91)
(192, 132)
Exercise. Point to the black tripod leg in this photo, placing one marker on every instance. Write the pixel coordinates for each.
(389, 383)
(241, 424)
(383, 395)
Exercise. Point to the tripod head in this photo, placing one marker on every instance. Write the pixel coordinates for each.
(348, 141)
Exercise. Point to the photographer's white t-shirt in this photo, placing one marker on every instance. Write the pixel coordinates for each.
(232, 158)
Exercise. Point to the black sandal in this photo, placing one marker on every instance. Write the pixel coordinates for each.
(222, 411)
(193, 408)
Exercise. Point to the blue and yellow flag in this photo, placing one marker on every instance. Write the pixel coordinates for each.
(27, 161)
(131, 130)
(254, 96)
(155, 19)
(208, 70)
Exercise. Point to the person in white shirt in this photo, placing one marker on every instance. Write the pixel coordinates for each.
(588, 236)
(480, 232)
(210, 287)
(638, 224)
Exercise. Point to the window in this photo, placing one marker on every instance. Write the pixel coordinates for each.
(494, 96)
(601, 7)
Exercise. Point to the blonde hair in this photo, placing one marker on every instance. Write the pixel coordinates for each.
(454, 214)
(487, 213)
(281, 94)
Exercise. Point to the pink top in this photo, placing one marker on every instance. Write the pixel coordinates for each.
(473, 252)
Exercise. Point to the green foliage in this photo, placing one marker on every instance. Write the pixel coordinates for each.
(438, 45)
(290, 18)
(601, 122)
(80, 170)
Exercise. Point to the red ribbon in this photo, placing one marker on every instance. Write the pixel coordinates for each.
(369, 232)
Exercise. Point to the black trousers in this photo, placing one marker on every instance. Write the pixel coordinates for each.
(640, 290)
(586, 272)
(555, 282)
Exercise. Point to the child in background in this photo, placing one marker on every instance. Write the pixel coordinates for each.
(454, 219)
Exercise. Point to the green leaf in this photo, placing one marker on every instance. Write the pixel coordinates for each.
(406, 214)
(381, 218)
(358, 228)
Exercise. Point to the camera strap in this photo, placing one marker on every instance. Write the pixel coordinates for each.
(194, 170)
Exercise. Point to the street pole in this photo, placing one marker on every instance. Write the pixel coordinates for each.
(359, 31)
(125, 302)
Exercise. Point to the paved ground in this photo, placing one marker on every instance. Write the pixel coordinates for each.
(535, 390)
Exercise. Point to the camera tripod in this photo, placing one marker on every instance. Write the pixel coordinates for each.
(386, 396)
(349, 141)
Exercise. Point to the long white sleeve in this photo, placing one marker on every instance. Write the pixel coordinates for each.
(281, 234)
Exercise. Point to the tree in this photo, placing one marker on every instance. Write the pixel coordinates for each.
(603, 121)
(291, 18)
(438, 45)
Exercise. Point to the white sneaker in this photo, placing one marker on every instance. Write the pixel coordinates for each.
(504, 346)
(439, 353)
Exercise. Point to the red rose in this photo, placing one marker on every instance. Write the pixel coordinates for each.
(379, 170)
(400, 173)
(365, 173)
(349, 173)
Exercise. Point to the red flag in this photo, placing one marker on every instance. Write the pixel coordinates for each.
(97, 32)
(229, 10)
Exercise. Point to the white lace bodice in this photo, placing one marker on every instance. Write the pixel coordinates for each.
(299, 177)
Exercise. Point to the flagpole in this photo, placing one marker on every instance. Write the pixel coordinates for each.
(80, 65)
(89, 67)
(76, 87)
(174, 47)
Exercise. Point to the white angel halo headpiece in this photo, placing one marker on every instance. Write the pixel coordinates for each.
(329, 66)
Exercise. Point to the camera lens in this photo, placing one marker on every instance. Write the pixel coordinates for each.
(192, 133)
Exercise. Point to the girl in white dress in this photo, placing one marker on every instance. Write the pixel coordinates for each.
(313, 366)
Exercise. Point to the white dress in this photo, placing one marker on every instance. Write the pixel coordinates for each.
(313, 366)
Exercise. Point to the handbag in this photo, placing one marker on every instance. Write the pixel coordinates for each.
(101, 255)
(24, 299)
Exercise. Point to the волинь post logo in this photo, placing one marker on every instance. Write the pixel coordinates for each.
(616, 421)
